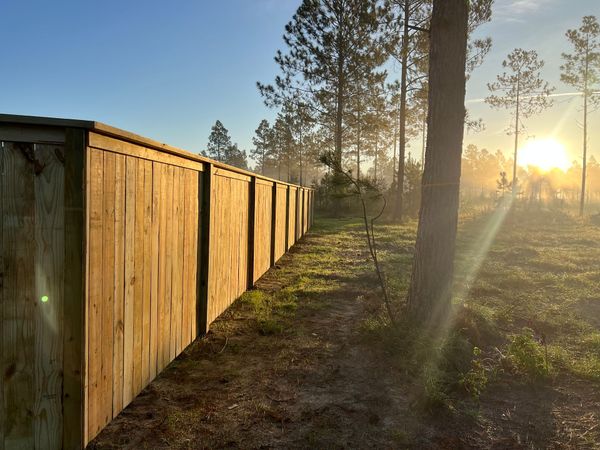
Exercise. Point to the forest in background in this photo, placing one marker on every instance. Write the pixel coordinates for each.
(353, 83)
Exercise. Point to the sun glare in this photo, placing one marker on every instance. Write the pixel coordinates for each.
(545, 154)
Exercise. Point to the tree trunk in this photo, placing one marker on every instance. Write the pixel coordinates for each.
(402, 132)
(430, 292)
(394, 158)
(358, 137)
(585, 114)
(514, 179)
(376, 154)
(339, 112)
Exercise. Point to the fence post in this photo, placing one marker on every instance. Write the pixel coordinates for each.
(204, 207)
(287, 218)
(251, 227)
(74, 286)
(273, 222)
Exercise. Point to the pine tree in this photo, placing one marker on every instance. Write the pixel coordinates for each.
(410, 45)
(234, 156)
(283, 145)
(330, 44)
(582, 71)
(263, 145)
(430, 293)
(218, 142)
(522, 89)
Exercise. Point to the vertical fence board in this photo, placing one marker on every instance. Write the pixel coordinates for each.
(162, 266)
(73, 333)
(138, 304)
(263, 213)
(147, 268)
(177, 264)
(280, 221)
(130, 279)
(95, 291)
(104, 398)
(18, 305)
(292, 193)
(48, 311)
(154, 300)
(169, 266)
(119, 296)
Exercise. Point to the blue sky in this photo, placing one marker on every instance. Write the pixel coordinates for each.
(168, 70)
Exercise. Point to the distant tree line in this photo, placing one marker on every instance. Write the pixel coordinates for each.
(353, 81)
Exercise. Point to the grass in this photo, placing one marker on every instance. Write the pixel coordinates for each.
(522, 305)
(528, 301)
(308, 358)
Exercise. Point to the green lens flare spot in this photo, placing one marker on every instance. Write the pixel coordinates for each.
(45, 299)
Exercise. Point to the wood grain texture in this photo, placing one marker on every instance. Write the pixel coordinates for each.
(74, 291)
(104, 399)
(162, 268)
(119, 296)
(263, 211)
(176, 283)
(298, 214)
(138, 303)
(292, 211)
(107, 143)
(94, 316)
(49, 279)
(280, 222)
(18, 306)
(159, 245)
(129, 289)
(170, 210)
(147, 273)
(154, 300)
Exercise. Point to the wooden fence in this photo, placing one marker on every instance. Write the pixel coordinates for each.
(117, 252)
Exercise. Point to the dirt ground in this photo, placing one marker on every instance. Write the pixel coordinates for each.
(316, 384)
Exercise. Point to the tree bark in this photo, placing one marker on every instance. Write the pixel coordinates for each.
(402, 132)
(515, 181)
(585, 116)
(430, 292)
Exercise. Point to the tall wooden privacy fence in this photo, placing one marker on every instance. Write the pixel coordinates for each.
(116, 253)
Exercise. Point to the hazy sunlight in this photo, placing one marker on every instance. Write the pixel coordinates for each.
(545, 154)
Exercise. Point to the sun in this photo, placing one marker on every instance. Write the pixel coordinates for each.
(545, 154)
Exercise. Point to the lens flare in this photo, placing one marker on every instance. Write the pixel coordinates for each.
(544, 154)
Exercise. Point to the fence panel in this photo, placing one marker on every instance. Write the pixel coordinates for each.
(157, 243)
(142, 264)
(263, 211)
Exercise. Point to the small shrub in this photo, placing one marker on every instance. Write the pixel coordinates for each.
(475, 380)
(527, 356)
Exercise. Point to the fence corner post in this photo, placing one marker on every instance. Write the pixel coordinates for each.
(203, 273)
(251, 229)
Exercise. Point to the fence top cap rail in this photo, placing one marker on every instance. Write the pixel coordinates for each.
(118, 133)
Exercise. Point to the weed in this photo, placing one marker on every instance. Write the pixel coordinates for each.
(526, 356)
(476, 379)
(268, 327)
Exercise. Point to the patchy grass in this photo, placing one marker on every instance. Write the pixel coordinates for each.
(309, 360)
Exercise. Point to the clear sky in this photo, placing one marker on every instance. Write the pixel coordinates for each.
(169, 69)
